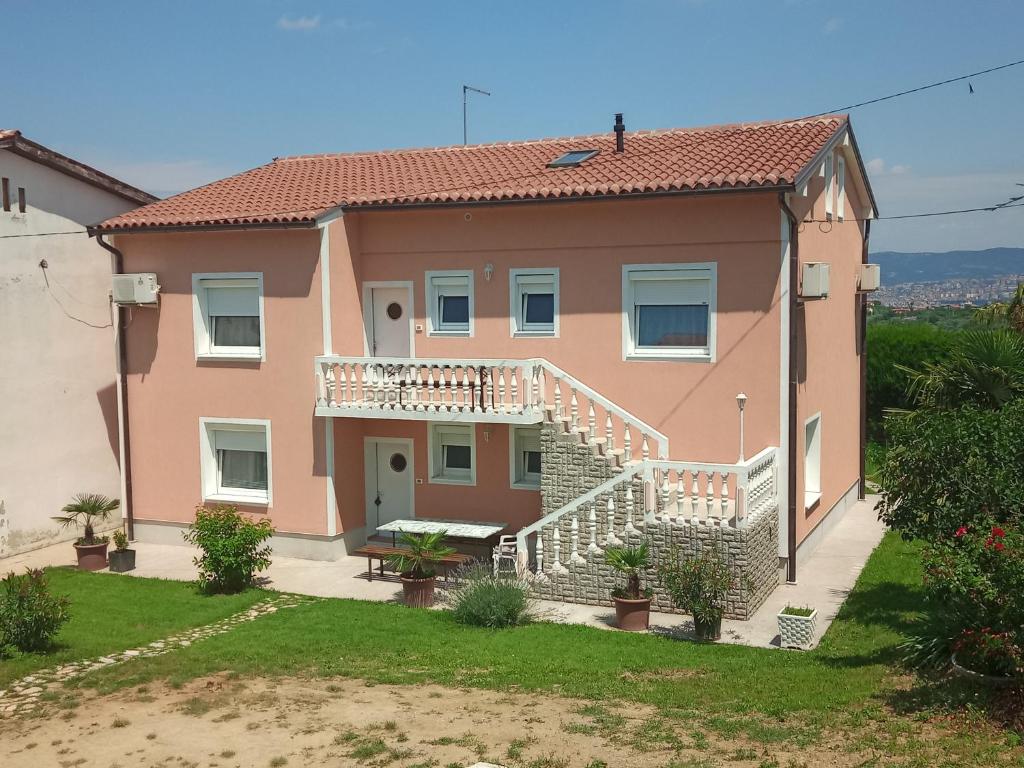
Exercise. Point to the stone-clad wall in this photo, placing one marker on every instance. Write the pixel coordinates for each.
(571, 468)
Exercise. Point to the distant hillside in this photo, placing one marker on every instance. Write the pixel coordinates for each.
(928, 267)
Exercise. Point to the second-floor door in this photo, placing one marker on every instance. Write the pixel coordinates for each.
(390, 334)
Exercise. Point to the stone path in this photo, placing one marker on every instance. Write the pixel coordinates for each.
(23, 695)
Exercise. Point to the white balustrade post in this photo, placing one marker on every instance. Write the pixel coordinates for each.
(467, 393)
(321, 387)
(610, 539)
(609, 433)
(489, 391)
(724, 476)
(592, 548)
(556, 545)
(574, 541)
(627, 443)
(574, 408)
(514, 394)
(645, 449)
(694, 496)
(332, 393)
(665, 491)
(540, 554)
(710, 495)
(630, 528)
(591, 420)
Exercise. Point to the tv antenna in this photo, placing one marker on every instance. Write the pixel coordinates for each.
(465, 97)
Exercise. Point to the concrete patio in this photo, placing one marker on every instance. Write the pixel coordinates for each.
(825, 579)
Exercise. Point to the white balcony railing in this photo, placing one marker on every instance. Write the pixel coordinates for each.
(452, 389)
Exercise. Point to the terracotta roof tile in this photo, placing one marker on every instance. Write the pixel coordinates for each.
(295, 190)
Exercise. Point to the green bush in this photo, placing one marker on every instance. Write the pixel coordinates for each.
(482, 599)
(697, 585)
(233, 548)
(946, 469)
(29, 615)
(891, 345)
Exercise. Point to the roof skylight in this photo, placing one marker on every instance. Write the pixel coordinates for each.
(573, 158)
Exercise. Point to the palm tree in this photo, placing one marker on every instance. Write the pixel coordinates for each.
(1009, 314)
(630, 561)
(86, 509)
(422, 554)
(986, 368)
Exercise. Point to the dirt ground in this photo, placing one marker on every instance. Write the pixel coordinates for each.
(222, 723)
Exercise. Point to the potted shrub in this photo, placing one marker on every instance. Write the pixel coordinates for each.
(85, 510)
(699, 586)
(632, 605)
(796, 626)
(121, 559)
(417, 566)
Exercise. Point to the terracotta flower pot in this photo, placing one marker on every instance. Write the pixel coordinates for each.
(419, 593)
(92, 557)
(708, 630)
(633, 615)
(992, 681)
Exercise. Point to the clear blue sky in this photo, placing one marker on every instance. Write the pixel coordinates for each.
(169, 95)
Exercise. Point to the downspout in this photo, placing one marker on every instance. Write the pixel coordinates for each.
(122, 375)
(794, 263)
(864, 368)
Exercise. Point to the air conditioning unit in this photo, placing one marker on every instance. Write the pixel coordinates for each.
(869, 278)
(815, 280)
(139, 288)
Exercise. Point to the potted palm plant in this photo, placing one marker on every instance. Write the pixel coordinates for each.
(85, 510)
(417, 566)
(632, 605)
(699, 586)
(121, 559)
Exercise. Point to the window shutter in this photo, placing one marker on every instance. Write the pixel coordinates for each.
(696, 290)
(243, 301)
(240, 440)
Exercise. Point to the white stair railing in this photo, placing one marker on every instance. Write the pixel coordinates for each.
(670, 493)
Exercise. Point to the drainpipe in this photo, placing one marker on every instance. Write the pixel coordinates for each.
(122, 383)
(864, 368)
(794, 263)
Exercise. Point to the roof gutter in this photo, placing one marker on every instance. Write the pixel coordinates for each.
(122, 375)
(794, 263)
(95, 231)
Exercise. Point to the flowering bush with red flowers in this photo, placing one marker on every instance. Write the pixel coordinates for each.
(975, 587)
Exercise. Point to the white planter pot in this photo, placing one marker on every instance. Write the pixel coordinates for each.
(797, 631)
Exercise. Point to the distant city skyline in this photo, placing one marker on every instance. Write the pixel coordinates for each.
(172, 97)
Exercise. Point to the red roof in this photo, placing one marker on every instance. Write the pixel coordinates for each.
(296, 190)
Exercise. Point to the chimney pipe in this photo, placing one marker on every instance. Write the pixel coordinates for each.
(620, 130)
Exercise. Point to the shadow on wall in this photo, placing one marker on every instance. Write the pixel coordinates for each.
(107, 399)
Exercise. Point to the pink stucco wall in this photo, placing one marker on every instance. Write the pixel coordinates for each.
(168, 390)
(829, 367)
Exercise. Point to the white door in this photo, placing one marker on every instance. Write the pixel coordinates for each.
(390, 322)
(389, 482)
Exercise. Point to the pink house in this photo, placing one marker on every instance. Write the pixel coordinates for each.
(550, 335)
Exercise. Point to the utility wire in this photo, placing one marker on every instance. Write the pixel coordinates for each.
(676, 149)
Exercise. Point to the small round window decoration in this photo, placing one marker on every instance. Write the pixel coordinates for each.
(394, 310)
(397, 462)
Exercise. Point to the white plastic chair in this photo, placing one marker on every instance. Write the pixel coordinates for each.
(505, 551)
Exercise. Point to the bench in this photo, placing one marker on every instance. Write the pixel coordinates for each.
(382, 552)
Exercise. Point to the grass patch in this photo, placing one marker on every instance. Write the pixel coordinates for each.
(143, 610)
(384, 643)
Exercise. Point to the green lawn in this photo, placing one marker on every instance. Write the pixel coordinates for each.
(393, 644)
(113, 613)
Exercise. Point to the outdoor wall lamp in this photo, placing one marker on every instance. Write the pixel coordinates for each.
(488, 271)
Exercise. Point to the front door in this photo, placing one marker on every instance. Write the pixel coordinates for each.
(389, 482)
(390, 322)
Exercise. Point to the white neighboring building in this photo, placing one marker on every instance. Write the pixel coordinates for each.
(58, 399)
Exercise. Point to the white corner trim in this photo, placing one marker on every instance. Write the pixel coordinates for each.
(208, 461)
(784, 321)
(433, 447)
(430, 305)
(514, 305)
(332, 499)
(368, 311)
(325, 287)
(200, 331)
(628, 350)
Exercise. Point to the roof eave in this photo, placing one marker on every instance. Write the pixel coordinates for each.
(219, 227)
(844, 129)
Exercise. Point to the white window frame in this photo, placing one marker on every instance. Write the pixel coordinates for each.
(840, 187)
(518, 282)
(202, 330)
(517, 473)
(435, 445)
(699, 270)
(812, 462)
(830, 177)
(209, 470)
(435, 284)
